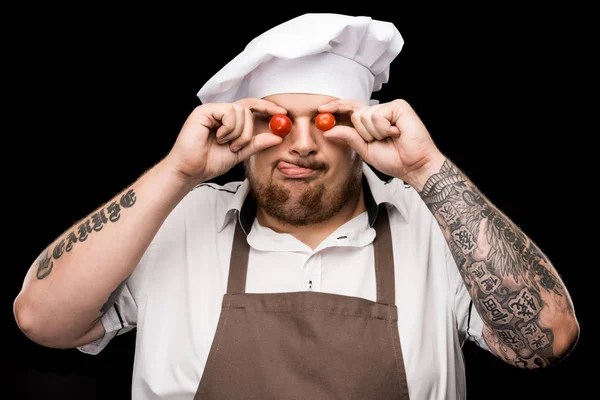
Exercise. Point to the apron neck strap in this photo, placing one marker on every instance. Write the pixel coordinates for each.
(382, 245)
(384, 258)
(238, 264)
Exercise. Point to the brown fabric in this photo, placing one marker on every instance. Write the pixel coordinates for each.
(238, 264)
(307, 345)
(384, 259)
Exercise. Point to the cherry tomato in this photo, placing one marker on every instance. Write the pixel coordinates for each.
(325, 121)
(280, 124)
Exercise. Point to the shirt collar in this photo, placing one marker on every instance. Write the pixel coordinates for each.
(376, 192)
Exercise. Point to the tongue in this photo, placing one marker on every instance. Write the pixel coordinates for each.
(291, 169)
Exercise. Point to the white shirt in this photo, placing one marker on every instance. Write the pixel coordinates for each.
(174, 296)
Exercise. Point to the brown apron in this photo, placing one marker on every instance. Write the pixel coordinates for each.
(307, 345)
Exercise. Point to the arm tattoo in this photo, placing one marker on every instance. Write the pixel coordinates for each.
(44, 265)
(81, 232)
(510, 280)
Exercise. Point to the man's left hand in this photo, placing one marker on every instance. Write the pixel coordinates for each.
(390, 137)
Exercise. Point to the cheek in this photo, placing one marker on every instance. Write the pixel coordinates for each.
(260, 162)
(342, 161)
(353, 156)
(342, 153)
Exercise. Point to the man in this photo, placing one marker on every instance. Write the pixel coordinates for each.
(312, 278)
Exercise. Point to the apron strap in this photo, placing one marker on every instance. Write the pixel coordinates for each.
(238, 264)
(384, 260)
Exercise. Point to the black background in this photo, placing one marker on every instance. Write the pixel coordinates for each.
(95, 96)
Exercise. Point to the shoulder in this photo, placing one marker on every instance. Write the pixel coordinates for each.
(403, 199)
(213, 195)
(207, 205)
(203, 211)
(217, 190)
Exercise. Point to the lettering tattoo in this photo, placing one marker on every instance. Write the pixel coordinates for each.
(82, 231)
(44, 265)
(510, 280)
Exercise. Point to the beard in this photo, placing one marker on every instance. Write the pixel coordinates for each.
(314, 204)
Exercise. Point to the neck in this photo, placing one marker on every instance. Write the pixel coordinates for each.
(312, 235)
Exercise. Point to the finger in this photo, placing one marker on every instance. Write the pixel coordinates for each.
(238, 128)
(247, 133)
(357, 121)
(366, 119)
(258, 143)
(342, 106)
(261, 105)
(355, 109)
(226, 116)
(350, 136)
(382, 118)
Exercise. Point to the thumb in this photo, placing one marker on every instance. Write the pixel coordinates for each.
(259, 142)
(350, 136)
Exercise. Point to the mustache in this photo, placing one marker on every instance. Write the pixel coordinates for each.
(309, 163)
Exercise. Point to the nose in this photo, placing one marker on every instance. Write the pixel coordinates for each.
(302, 138)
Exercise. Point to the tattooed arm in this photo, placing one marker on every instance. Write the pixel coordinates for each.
(528, 315)
(527, 312)
(69, 286)
(74, 281)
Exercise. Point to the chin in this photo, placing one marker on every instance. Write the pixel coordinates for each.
(300, 183)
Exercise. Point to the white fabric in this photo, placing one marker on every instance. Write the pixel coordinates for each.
(324, 73)
(331, 54)
(174, 296)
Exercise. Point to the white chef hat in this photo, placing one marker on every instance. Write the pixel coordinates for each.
(331, 54)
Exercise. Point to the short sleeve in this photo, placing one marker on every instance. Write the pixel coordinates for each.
(119, 319)
(469, 322)
(122, 316)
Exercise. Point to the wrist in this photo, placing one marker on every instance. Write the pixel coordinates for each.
(419, 176)
(184, 182)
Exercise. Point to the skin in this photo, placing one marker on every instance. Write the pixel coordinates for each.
(307, 207)
(527, 311)
(75, 279)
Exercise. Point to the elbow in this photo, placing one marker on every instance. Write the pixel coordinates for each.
(39, 330)
(566, 337)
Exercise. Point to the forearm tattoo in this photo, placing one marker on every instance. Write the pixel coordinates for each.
(510, 280)
(95, 223)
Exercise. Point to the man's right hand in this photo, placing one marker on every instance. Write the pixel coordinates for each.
(217, 136)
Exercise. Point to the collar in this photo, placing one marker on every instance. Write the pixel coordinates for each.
(376, 192)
